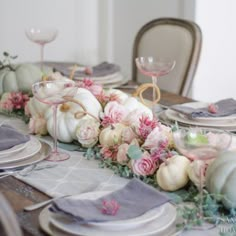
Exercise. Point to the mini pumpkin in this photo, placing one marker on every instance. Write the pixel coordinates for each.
(172, 174)
(111, 135)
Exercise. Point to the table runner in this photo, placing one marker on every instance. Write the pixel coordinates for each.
(77, 175)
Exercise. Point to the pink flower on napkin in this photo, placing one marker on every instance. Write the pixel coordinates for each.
(110, 207)
(213, 108)
(144, 166)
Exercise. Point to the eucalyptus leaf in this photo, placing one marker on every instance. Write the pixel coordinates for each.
(134, 152)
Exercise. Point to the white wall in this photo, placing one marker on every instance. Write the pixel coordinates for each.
(90, 31)
(216, 77)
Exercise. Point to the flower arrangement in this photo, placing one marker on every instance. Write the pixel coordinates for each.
(122, 133)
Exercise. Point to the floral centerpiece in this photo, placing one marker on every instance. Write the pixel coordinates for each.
(121, 132)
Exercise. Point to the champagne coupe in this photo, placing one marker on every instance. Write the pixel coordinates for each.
(154, 67)
(54, 93)
(41, 36)
(201, 144)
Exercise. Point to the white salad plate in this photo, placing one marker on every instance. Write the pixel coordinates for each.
(153, 222)
(43, 153)
(176, 116)
(31, 147)
(196, 105)
(13, 149)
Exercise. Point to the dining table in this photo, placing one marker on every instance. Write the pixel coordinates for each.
(21, 194)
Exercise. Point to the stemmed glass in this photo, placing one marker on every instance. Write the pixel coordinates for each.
(154, 67)
(54, 93)
(201, 144)
(41, 36)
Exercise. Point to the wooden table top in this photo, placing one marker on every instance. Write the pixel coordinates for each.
(21, 195)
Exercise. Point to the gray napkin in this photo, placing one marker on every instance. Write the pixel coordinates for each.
(226, 107)
(134, 199)
(9, 137)
(100, 70)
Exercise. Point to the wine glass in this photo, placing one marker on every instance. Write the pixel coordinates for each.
(41, 36)
(54, 92)
(154, 67)
(201, 144)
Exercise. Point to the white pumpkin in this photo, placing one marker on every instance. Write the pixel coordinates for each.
(111, 135)
(66, 120)
(172, 174)
(122, 97)
(132, 104)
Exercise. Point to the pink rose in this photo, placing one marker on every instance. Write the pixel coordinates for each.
(87, 132)
(122, 153)
(128, 135)
(113, 113)
(38, 125)
(155, 139)
(144, 166)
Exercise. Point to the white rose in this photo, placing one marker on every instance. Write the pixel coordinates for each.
(87, 132)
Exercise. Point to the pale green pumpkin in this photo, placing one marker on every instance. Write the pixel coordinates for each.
(221, 178)
(19, 78)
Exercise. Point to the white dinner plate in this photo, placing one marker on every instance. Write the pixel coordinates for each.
(33, 146)
(13, 149)
(43, 153)
(175, 116)
(209, 119)
(154, 222)
(115, 225)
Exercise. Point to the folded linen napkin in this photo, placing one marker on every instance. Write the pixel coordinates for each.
(224, 107)
(134, 199)
(99, 70)
(10, 137)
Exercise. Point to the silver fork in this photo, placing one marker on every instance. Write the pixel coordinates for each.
(26, 171)
(44, 203)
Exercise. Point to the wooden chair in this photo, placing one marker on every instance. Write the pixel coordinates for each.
(8, 220)
(172, 38)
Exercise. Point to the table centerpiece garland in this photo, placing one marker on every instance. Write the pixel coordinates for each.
(122, 134)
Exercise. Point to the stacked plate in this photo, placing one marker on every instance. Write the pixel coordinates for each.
(225, 122)
(24, 154)
(106, 74)
(158, 221)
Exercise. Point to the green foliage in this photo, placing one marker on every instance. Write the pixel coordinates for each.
(134, 152)
(187, 200)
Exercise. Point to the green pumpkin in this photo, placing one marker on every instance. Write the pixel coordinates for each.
(19, 78)
(221, 178)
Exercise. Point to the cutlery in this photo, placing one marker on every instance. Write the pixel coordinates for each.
(44, 203)
(25, 171)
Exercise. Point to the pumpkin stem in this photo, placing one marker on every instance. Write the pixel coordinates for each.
(71, 99)
(79, 113)
(64, 107)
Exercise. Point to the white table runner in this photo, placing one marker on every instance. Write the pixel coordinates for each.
(77, 175)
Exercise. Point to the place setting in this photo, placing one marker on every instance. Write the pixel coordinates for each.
(18, 150)
(111, 213)
(221, 114)
(107, 74)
